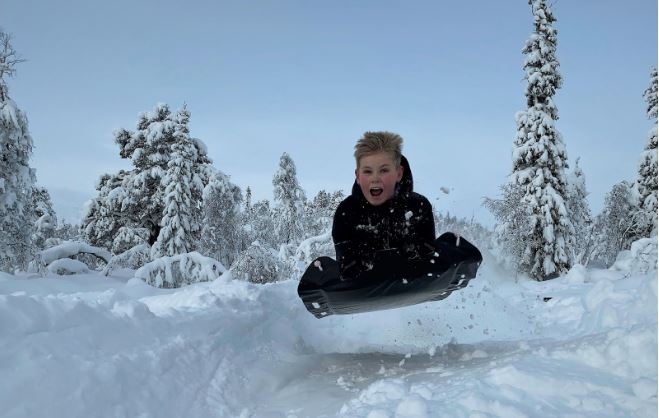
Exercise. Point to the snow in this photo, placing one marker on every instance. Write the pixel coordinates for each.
(91, 345)
(71, 248)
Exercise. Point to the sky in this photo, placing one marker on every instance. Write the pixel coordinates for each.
(265, 77)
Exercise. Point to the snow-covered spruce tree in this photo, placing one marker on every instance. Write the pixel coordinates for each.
(645, 217)
(540, 157)
(46, 219)
(289, 203)
(580, 215)
(222, 235)
(615, 223)
(180, 227)
(17, 179)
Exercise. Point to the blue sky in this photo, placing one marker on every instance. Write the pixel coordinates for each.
(309, 77)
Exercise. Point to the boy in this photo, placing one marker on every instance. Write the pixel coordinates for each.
(383, 212)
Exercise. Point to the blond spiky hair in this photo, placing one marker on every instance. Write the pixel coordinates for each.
(380, 141)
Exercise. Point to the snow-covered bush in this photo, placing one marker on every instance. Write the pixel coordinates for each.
(180, 270)
(641, 258)
(258, 264)
(133, 258)
(68, 250)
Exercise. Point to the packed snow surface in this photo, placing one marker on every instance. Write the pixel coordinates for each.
(582, 345)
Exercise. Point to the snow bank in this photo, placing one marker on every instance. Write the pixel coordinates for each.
(582, 345)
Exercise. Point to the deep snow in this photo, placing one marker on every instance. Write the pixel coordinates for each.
(90, 345)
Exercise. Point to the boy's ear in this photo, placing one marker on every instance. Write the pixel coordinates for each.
(357, 176)
(399, 174)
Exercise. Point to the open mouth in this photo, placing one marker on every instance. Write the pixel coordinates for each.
(376, 191)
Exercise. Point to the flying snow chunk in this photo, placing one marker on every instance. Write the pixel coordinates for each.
(445, 190)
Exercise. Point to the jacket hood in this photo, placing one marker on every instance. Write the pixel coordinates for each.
(404, 187)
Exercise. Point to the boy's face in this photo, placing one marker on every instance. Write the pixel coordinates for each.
(377, 176)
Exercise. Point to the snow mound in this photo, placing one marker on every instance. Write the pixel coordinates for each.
(179, 270)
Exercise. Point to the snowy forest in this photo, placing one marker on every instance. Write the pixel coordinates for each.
(176, 218)
(175, 295)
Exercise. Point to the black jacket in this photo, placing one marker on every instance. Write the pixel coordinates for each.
(404, 223)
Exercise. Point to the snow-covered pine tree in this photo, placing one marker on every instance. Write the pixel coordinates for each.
(579, 215)
(540, 157)
(46, 219)
(645, 216)
(149, 149)
(222, 235)
(135, 199)
(289, 203)
(17, 179)
(180, 227)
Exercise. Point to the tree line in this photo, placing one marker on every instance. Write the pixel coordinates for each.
(173, 201)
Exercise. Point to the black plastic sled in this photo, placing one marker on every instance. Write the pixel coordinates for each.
(393, 282)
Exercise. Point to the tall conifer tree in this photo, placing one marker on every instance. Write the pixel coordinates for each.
(540, 157)
(17, 179)
(580, 214)
(289, 202)
(646, 184)
(180, 227)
